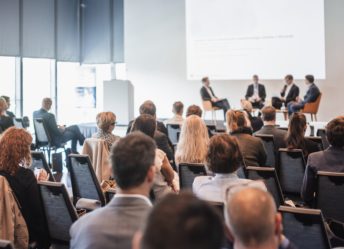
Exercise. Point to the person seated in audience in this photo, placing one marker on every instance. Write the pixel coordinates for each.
(114, 225)
(106, 122)
(193, 141)
(208, 94)
(223, 159)
(253, 221)
(5, 121)
(256, 122)
(8, 102)
(178, 109)
(15, 158)
(251, 147)
(59, 134)
(311, 96)
(289, 93)
(181, 222)
(256, 93)
(332, 159)
(194, 110)
(269, 128)
(166, 180)
(296, 135)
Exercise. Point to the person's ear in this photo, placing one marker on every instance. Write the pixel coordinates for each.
(137, 240)
(151, 174)
(278, 225)
(228, 234)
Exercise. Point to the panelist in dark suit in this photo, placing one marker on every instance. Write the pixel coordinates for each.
(59, 134)
(332, 159)
(311, 96)
(207, 93)
(289, 93)
(256, 93)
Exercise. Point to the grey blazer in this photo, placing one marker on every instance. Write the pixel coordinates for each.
(110, 227)
(279, 135)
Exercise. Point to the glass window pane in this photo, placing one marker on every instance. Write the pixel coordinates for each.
(8, 79)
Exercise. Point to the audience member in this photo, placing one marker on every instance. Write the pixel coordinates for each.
(194, 110)
(296, 135)
(106, 122)
(312, 94)
(178, 109)
(253, 220)
(15, 158)
(5, 121)
(8, 102)
(59, 134)
(332, 159)
(256, 122)
(114, 225)
(289, 93)
(256, 93)
(269, 128)
(208, 94)
(251, 147)
(182, 222)
(165, 179)
(193, 141)
(223, 159)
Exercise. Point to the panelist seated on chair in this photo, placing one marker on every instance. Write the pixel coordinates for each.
(5, 121)
(8, 102)
(289, 93)
(311, 96)
(256, 93)
(59, 134)
(208, 94)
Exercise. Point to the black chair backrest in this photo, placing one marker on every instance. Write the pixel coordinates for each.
(39, 162)
(317, 140)
(269, 145)
(59, 210)
(304, 227)
(291, 170)
(42, 136)
(84, 181)
(172, 131)
(188, 172)
(322, 133)
(18, 122)
(109, 194)
(269, 176)
(6, 244)
(330, 195)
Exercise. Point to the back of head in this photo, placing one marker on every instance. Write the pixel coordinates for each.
(15, 150)
(235, 120)
(178, 108)
(46, 103)
(132, 157)
(194, 110)
(3, 105)
(146, 124)
(223, 154)
(193, 141)
(269, 113)
(183, 222)
(335, 132)
(105, 120)
(148, 107)
(251, 217)
(296, 131)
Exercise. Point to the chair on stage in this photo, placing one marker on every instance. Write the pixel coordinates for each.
(208, 107)
(312, 108)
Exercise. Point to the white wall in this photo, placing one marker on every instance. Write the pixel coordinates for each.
(155, 53)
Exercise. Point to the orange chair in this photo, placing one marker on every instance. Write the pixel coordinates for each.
(207, 107)
(312, 108)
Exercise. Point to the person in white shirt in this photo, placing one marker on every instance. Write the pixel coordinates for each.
(178, 109)
(256, 93)
(223, 159)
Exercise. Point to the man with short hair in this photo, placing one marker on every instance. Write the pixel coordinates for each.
(182, 222)
(59, 134)
(253, 221)
(113, 226)
(256, 93)
(289, 93)
(311, 96)
(331, 159)
(8, 102)
(178, 109)
(269, 128)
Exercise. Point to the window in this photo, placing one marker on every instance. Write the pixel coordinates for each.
(8, 79)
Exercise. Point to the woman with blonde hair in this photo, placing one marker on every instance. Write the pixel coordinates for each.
(251, 147)
(106, 122)
(15, 158)
(193, 141)
(5, 121)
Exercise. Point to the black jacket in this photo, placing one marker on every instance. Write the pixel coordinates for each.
(205, 95)
(292, 95)
(261, 92)
(5, 122)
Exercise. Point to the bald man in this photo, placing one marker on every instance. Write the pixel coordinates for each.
(253, 221)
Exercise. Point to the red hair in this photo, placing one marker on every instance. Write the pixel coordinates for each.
(15, 150)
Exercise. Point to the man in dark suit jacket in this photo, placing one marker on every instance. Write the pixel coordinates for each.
(256, 93)
(59, 134)
(114, 225)
(311, 96)
(289, 93)
(207, 94)
(331, 159)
